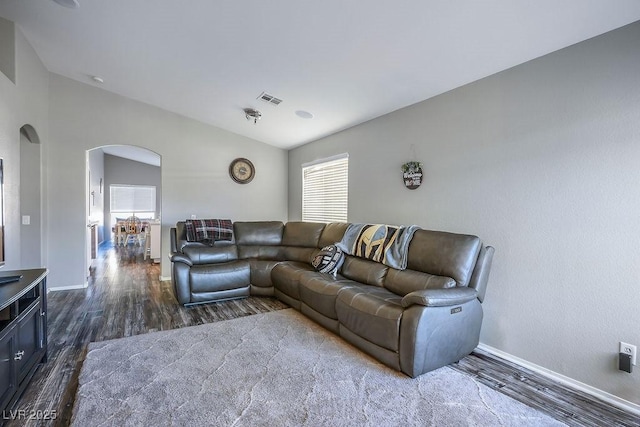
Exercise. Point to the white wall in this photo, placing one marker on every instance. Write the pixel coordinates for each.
(8, 49)
(541, 161)
(30, 204)
(195, 162)
(25, 102)
(96, 186)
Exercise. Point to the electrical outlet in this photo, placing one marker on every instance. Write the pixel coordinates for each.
(630, 350)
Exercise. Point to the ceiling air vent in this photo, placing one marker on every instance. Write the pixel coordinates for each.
(269, 98)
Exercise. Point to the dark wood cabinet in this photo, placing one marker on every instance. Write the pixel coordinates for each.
(23, 331)
(7, 366)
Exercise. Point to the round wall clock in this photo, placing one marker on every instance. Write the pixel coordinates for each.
(242, 170)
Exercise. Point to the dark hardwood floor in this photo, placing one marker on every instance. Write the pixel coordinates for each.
(125, 298)
(572, 407)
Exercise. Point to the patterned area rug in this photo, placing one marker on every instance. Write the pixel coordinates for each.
(274, 369)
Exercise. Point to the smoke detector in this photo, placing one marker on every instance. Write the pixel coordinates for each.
(252, 114)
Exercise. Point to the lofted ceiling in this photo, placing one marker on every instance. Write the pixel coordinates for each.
(345, 62)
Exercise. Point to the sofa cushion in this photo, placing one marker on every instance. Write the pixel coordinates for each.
(296, 253)
(261, 272)
(258, 232)
(181, 238)
(444, 254)
(219, 277)
(332, 233)
(319, 291)
(364, 271)
(328, 260)
(286, 277)
(305, 234)
(402, 282)
(211, 254)
(265, 252)
(372, 313)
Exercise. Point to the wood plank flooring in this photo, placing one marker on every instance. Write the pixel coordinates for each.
(125, 298)
(572, 407)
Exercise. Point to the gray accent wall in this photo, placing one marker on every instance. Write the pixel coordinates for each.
(541, 161)
(118, 170)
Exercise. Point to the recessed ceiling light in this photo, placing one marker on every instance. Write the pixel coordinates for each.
(304, 114)
(71, 4)
(97, 79)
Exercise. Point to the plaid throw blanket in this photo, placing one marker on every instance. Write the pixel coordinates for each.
(208, 230)
(381, 243)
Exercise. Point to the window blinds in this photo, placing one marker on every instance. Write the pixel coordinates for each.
(325, 190)
(132, 198)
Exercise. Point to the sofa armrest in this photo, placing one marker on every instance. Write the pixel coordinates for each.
(178, 257)
(439, 297)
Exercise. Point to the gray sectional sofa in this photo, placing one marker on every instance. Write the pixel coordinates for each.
(413, 320)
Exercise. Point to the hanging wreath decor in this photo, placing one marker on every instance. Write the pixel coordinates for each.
(412, 174)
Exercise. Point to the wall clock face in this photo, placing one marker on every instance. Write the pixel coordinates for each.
(242, 171)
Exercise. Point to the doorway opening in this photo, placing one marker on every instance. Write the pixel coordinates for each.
(124, 189)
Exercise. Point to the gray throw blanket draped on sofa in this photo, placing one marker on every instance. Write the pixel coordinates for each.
(387, 244)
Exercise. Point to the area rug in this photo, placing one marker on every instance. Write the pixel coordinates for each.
(274, 369)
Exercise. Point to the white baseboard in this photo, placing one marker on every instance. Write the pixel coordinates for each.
(67, 288)
(569, 382)
(165, 278)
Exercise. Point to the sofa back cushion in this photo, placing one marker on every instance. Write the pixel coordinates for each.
(258, 232)
(303, 234)
(364, 271)
(332, 233)
(402, 282)
(296, 253)
(262, 252)
(221, 252)
(444, 254)
(181, 238)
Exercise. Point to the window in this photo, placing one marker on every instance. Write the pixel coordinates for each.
(138, 200)
(325, 185)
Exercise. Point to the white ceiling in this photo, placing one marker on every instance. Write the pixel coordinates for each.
(345, 62)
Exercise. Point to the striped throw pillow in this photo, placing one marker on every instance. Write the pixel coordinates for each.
(328, 260)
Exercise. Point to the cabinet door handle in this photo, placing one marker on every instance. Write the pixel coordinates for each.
(19, 355)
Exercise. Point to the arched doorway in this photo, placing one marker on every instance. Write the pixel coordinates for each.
(111, 172)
